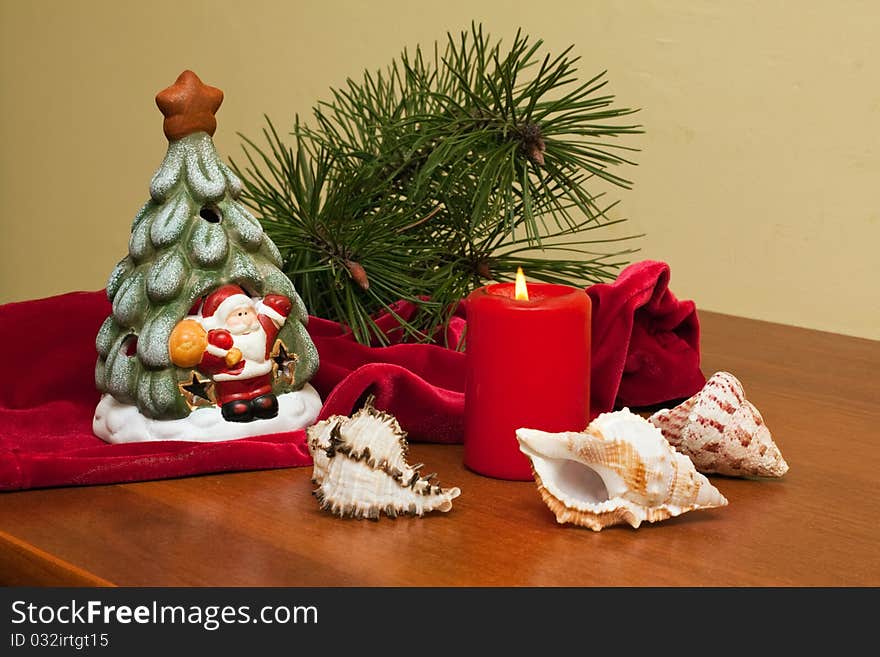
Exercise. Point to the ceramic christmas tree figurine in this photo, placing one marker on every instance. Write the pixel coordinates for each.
(207, 338)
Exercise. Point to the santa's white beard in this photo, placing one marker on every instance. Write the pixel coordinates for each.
(252, 345)
(253, 351)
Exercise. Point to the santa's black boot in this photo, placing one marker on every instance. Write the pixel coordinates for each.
(265, 406)
(237, 411)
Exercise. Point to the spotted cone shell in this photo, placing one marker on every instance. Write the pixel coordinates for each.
(722, 432)
(360, 468)
(619, 470)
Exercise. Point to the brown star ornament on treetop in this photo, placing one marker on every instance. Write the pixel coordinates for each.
(189, 106)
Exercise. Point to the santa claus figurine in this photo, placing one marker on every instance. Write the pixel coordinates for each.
(230, 339)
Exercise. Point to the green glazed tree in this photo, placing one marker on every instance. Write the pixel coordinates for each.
(191, 237)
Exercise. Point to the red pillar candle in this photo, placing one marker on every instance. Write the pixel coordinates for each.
(528, 365)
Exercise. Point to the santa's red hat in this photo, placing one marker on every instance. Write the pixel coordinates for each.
(220, 303)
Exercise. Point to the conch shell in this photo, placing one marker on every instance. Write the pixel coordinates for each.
(620, 469)
(361, 471)
(722, 432)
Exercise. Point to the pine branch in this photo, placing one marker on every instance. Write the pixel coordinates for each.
(422, 180)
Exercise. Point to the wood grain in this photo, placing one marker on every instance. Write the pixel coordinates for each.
(22, 564)
(819, 394)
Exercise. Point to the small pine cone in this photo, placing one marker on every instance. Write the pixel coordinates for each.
(532, 143)
(358, 274)
(483, 269)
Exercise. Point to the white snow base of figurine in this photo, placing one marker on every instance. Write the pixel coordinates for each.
(116, 422)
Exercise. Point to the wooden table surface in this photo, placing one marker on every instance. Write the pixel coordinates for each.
(819, 525)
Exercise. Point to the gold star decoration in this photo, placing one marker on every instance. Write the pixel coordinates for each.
(284, 363)
(197, 393)
(189, 106)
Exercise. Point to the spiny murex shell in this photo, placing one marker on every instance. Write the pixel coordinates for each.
(620, 469)
(722, 432)
(361, 471)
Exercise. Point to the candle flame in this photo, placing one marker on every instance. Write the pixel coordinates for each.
(521, 291)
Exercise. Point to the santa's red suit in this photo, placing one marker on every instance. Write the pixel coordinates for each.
(233, 319)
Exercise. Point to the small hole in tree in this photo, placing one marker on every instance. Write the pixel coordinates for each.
(209, 214)
(129, 345)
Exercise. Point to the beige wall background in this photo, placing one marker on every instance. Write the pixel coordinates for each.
(758, 181)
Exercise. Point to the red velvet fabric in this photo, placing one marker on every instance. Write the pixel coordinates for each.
(646, 343)
(646, 350)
